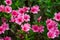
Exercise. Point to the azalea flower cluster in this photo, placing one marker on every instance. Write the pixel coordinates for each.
(37, 28)
(52, 27)
(26, 27)
(6, 38)
(19, 16)
(22, 18)
(6, 8)
(4, 26)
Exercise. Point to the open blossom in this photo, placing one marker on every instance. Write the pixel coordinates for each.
(26, 27)
(39, 19)
(57, 16)
(14, 13)
(19, 20)
(8, 2)
(53, 29)
(35, 9)
(51, 34)
(51, 24)
(48, 21)
(26, 9)
(8, 9)
(41, 29)
(2, 8)
(21, 11)
(26, 17)
(5, 26)
(56, 30)
(7, 38)
(57, 33)
(1, 30)
(35, 28)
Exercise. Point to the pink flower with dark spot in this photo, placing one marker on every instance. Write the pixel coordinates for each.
(48, 21)
(26, 27)
(57, 33)
(19, 20)
(26, 9)
(26, 17)
(57, 16)
(8, 9)
(41, 29)
(21, 11)
(1, 30)
(51, 34)
(5, 26)
(8, 2)
(35, 28)
(35, 9)
(2, 8)
(14, 13)
(51, 24)
(53, 29)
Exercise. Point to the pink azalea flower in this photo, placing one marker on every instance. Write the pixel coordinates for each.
(35, 9)
(7, 38)
(5, 26)
(19, 20)
(53, 29)
(8, 9)
(41, 29)
(2, 8)
(50, 27)
(8, 2)
(51, 24)
(1, 30)
(26, 27)
(14, 13)
(26, 17)
(51, 34)
(35, 28)
(21, 11)
(26, 9)
(39, 19)
(57, 33)
(57, 16)
(48, 21)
